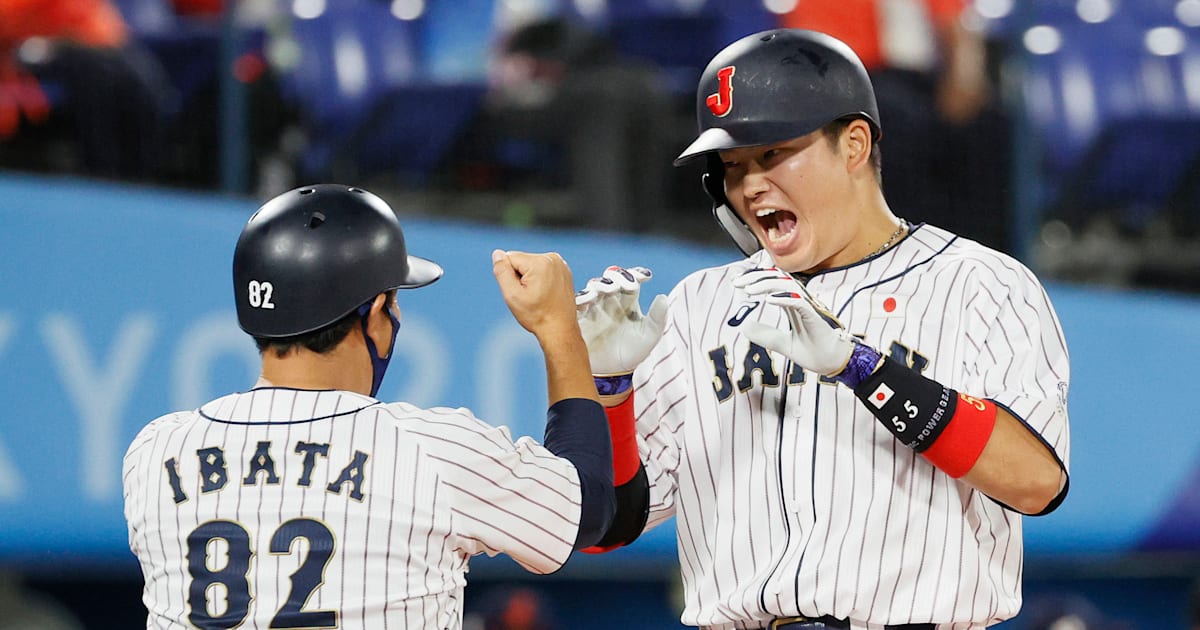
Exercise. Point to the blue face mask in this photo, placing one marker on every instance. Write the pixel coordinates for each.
(379, 364)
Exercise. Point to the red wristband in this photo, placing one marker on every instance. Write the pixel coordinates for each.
(624, 441)
(961, 443)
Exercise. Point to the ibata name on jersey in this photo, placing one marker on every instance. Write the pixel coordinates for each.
(214, 470)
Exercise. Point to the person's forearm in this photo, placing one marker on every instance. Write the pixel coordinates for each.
(965, 54)
(568, 373)
(966, 437)
(963, 85)
(577, 428)
(1016, 469)
(577, 431)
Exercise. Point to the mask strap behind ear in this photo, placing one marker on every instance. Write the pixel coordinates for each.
(379, 365)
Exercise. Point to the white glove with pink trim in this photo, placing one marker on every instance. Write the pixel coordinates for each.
(817, 340)
(617, 334)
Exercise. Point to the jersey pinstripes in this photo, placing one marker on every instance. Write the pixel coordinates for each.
(791, 498)
(403, 496)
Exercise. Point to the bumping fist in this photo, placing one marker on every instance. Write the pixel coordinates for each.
(537, 289)
(617, 334)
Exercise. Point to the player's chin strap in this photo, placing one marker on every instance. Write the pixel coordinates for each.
(714, 184)
(379, 365)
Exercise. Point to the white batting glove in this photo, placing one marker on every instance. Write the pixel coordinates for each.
(617, 334)
(817, 340)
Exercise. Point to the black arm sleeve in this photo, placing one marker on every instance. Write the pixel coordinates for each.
(633, 508)
(577, 430)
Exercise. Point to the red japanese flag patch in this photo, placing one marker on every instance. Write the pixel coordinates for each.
(881, 395)
(887, 305)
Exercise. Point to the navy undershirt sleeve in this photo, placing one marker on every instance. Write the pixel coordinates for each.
(577, 429)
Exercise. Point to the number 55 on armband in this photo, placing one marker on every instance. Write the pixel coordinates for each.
(950, 429)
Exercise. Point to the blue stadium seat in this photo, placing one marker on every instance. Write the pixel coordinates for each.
(348, 55)
(679, 45)
(340, 73)
(1118, 125)
(187, 48)
(363, 97)
(147, 17)
(677, 37)
(1150, 12)
(410, 128)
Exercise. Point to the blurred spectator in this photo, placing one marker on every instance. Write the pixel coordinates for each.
(72, 63)
(560, 85)
(948, 137)
(208, 89)
(519, 609)
(201, 8)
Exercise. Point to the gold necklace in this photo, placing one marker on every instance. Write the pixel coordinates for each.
(891, 239)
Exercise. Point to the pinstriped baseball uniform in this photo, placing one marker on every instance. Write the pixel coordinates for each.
(276, 504)
(791, 498)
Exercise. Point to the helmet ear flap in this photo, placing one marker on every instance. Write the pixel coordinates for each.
(736, 229)
(713, 181)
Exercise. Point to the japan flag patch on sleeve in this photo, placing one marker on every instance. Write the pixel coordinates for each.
(881, 395)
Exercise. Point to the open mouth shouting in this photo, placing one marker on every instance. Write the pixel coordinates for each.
(778, 226)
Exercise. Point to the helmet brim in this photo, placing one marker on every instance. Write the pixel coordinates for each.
(713, 139)
(745, 134)
(753, 134)
(421, 272)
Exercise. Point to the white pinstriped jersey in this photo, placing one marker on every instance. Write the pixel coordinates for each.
(331, 509)
(791, 498)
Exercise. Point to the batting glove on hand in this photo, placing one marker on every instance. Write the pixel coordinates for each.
(817, 340)
(617, 334)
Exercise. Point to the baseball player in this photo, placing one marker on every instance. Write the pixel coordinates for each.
(849, 423)
(307, 503)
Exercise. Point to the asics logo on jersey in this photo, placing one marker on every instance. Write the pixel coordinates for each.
(743, 311)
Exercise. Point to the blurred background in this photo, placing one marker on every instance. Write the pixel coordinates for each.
(137, 136)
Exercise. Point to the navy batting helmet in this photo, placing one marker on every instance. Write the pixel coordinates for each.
(770, 87)
(313, 255)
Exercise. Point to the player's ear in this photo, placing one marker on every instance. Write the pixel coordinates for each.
(377, 319)
(856, 144)
(390, 301)
(379, 325)
(380, 303)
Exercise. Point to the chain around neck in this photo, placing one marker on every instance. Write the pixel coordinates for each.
(900, 230)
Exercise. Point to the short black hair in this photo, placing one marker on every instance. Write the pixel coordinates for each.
(833, 131)
(321, 340)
